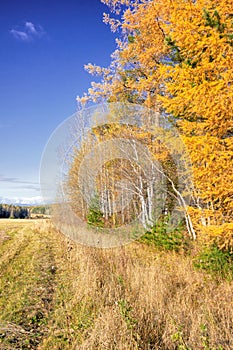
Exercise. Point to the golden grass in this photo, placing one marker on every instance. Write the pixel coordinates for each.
(132, 297)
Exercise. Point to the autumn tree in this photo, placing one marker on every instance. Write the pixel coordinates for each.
(176, 57)
(129, 167)
(113, 176)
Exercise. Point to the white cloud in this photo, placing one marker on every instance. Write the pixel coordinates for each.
(30, 200)
(20, 35)
(36, 200)
(15, 190)
(28, 32)
(31, 27)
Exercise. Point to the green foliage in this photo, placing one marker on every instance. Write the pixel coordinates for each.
(175, 53)
(95, 216)
(205, 337)
(213, 21)
(215, 261)
(39, 210)
(165, 237)
(131, 39)
(126, 310)
(178, 339)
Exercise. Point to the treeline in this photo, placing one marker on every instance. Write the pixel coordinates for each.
(20, 212)
(41, 209)
(176, 58)
(14, 211)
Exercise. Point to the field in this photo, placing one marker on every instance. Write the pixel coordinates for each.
(56, 294)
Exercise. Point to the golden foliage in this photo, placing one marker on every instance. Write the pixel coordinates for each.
(177, 56)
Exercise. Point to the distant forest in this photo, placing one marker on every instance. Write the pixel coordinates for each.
(19, 212)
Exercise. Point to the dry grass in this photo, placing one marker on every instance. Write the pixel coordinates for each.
(135, 298)
(131, 297)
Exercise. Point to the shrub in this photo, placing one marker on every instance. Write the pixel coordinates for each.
(215, 261)
(95, 216)
(163, 236)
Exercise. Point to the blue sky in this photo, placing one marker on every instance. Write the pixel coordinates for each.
(44, 46)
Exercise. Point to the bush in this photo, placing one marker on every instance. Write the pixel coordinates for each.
(166, 238)
(215, 261)
(95, 216)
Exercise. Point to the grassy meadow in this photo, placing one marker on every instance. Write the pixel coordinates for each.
(57, 294)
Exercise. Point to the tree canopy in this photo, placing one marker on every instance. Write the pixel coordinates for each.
(176, 57)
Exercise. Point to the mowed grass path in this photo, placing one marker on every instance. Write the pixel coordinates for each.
(27, 283)
(56, 294)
